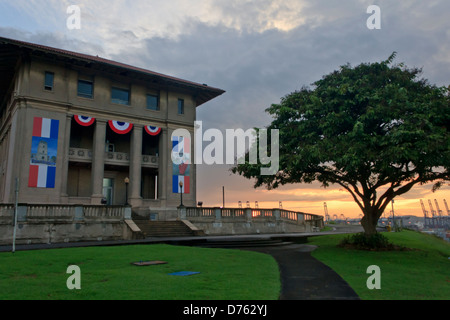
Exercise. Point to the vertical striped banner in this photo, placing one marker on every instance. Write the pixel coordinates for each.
(44, 144)
(42, 176)
(181, 150)
(45, 128)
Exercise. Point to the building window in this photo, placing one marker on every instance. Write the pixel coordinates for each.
(120, 96)
(49, 79)
(180, 106)
(85, 89)
(152, 102)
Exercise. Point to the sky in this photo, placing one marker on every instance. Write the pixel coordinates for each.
(258, 51)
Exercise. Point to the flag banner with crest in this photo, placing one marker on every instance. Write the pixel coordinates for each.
(44, 151)
(181, 159)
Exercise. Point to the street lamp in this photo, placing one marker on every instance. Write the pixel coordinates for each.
(181, 193)
(127, 181)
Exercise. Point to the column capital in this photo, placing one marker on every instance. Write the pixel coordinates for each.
(101, 121)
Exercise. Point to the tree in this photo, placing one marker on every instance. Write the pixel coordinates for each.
(375, 129)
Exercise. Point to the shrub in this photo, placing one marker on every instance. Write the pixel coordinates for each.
(365, 242)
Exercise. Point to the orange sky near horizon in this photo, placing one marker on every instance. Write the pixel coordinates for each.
(310, 198)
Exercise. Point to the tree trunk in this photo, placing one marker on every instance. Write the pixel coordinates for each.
(369, 221)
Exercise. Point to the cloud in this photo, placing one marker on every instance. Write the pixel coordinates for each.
(258, 51)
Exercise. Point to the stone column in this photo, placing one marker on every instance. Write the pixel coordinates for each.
(135, 166)
(98, 161)
(65, 168)
(164, 161)
(277, 214)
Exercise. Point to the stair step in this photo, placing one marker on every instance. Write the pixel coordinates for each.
(163, 228)
(243, 243)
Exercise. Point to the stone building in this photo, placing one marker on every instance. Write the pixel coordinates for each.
(80, 129)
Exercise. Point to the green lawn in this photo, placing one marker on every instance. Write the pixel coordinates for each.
(106, 274)
(419, 274)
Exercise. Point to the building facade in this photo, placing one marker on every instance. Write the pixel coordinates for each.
(79, 129)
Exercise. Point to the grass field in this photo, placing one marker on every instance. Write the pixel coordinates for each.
(419, 274)
(107, 274)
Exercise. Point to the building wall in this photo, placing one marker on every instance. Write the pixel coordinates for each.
(65, 91)
(32, 100)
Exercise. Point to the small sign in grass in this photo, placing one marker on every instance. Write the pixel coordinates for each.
(183, 273)
(148, 263)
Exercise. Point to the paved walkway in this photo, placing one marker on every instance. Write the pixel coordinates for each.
(305, 278)
(302, 276)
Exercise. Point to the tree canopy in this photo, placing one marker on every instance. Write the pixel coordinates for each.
(376, 129)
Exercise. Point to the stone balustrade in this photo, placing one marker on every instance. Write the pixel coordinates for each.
(250, 220)
(59, 213)
(116, 158)
(64, 223)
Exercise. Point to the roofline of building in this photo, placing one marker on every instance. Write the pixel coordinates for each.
(211, 92)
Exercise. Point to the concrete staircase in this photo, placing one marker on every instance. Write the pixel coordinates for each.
(165, 228)
(243, 243)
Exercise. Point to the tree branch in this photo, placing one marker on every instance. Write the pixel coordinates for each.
(353, 195)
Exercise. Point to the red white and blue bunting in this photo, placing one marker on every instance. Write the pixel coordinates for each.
(153, 131)
(84, 121)
(120, 127)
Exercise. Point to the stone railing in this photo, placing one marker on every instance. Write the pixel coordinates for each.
(64, 223)
(249, 215)
(63, 213)
(117, 158)
(82, 155)
(150, 161)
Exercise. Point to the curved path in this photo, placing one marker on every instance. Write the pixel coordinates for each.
(305, 278)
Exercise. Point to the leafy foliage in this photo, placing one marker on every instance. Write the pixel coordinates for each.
(367, 242)
(367, 128)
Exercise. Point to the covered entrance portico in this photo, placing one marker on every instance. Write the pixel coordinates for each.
(100, 160)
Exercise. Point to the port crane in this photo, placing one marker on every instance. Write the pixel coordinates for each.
(446, 207)
(446, 218)
(327, 216)
(433, 212)
(439, 213)
(425, 213)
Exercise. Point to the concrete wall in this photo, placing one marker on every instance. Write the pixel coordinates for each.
(253, 227)
(65, 91)
(58, 224)
(47, 232)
